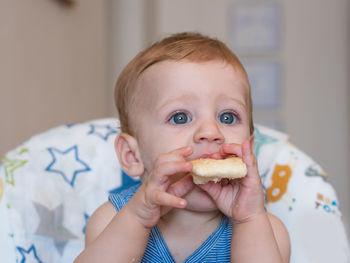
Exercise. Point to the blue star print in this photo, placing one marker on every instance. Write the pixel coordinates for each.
(31, 254)
(67, 163)
(102, 131)
(70, 125)
(87, 217)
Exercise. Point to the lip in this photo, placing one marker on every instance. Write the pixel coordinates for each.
(215, 155)
(207, 155)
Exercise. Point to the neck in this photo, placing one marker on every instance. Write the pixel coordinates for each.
(187, 220)
(184, 231)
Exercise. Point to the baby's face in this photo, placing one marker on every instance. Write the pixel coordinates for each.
(178, 104)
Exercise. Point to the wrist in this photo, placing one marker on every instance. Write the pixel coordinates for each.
(133, 217)
(261, 215)
(140, 212)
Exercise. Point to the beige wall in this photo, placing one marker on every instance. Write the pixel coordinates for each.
(54, 63)
(317, 97)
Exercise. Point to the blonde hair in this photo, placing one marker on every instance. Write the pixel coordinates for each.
(193, 47)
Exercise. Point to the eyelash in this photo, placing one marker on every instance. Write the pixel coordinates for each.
(234, 113)
(172, 115)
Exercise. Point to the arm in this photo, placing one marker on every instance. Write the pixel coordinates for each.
(262, 239)
(108, 233)
(123, 236)
(257, 236)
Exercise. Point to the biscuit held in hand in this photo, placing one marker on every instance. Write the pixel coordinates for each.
(207, 169)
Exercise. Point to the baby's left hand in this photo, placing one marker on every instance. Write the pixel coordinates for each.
(241, 199)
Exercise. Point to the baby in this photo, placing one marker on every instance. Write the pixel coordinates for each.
(185, 97)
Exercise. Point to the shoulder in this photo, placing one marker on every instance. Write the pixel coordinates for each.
(98, 221)
(281, 235)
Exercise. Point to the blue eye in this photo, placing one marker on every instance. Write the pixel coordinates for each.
(228, 118)
(180, 118)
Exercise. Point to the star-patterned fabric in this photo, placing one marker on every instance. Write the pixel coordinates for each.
(51, 184)
(29, 255)
(51, 224)
(69, 160)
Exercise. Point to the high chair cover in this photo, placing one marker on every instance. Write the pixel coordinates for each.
(52, 183)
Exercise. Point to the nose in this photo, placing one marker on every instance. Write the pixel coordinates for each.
(208, 131)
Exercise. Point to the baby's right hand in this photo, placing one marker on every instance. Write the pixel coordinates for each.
(163, 188)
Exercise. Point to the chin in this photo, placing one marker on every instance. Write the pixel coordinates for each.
(198, 200)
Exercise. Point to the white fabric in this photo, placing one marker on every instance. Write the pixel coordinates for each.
(52, 183)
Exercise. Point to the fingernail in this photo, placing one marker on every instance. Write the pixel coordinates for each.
(188, 148)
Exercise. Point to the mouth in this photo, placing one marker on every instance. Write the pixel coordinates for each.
(203, 156)
(216, 156)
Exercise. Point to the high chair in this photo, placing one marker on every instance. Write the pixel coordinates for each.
(52, 183)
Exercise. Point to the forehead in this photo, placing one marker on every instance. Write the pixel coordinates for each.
(170, 78)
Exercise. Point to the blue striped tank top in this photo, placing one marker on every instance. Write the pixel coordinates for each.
(215, 249)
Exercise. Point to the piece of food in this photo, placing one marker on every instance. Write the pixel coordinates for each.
(207, 169)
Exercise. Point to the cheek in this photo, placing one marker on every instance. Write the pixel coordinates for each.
(147, 153)
(238, 136)
(159, 143)
(151, 147)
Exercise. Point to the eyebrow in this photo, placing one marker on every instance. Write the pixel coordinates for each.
(185, 97)
(241, 104)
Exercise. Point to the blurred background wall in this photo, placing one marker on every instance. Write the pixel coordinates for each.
(54, 65)
(59, 62)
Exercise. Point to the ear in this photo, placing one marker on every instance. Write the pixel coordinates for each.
(128, 154)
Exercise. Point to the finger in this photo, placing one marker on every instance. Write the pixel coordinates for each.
(231, 148)
(213, 189)
(249, 158)
(161, 198)
(247, 154)
(183, 151)
(176, 155)
(182, 187)
(161, 174)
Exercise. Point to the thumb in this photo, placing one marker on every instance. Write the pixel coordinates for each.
(181, 187)
(213, 189)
